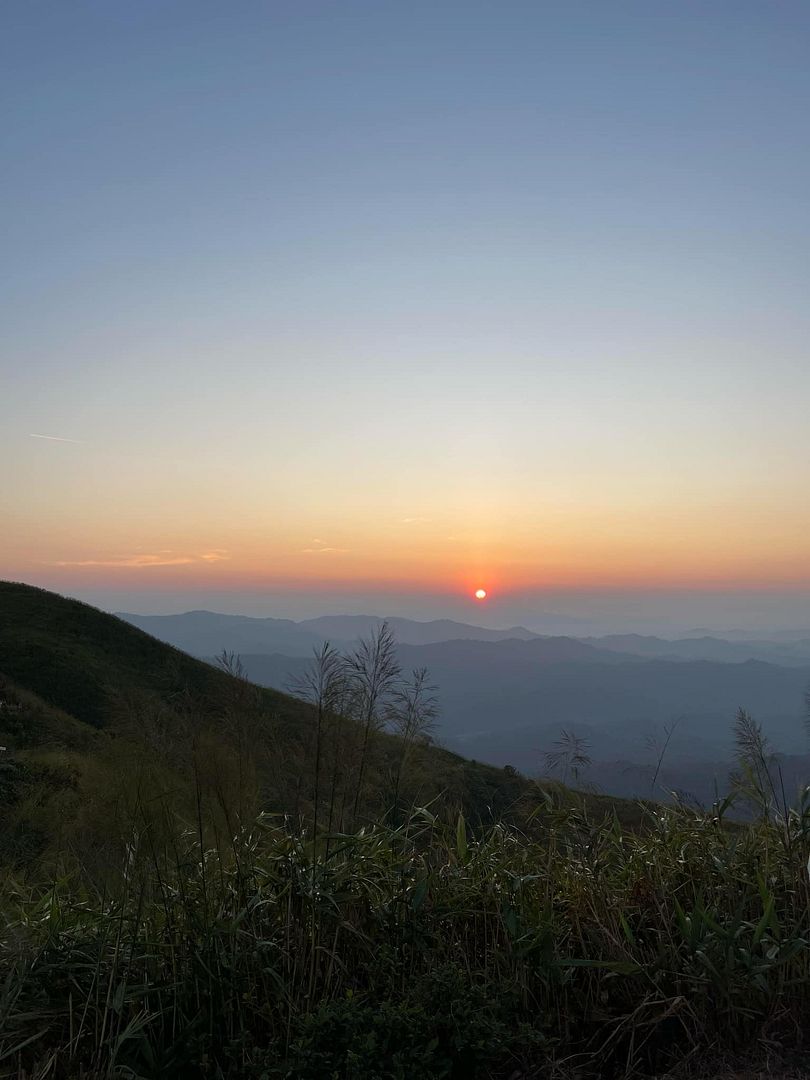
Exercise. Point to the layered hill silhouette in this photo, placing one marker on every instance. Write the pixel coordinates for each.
(97, 716)
(786, 653)
(507, 703)
(506, 695)
(76, 681)
(206, 633)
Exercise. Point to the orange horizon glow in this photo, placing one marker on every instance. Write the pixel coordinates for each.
(419, 365)
(190, 572)
(216, 534)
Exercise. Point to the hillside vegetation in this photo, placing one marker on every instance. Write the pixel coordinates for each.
(81, 660)
(97, 717)
(506, 695)
(206, 879)
(416, 951)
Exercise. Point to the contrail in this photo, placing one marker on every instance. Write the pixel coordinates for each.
(53, 438)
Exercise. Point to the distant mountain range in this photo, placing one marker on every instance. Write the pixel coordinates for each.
(411, 632)
(789, 653)
(507, 694)
(506, 702)
(90, 705)
(207, 633)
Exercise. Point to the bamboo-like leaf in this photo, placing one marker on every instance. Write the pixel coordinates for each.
(461, 838)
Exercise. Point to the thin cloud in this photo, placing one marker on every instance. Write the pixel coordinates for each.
(323, 549)
(54, 438)
(138, 562)
(130, 560)
(416, 521)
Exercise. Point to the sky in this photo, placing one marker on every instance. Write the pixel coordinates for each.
(347, 306)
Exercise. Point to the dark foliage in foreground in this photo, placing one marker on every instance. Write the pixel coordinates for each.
(415, 951)
(204, 879)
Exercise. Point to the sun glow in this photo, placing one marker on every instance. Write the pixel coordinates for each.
(480, 594)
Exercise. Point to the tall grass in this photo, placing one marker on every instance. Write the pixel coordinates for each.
(422, 950)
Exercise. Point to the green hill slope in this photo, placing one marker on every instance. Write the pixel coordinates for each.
(162, 921)
(79, 659)
(99, 720)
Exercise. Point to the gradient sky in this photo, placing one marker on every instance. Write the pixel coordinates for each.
(344, 302)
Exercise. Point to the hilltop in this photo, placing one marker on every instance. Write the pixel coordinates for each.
(80, 660)
(204, 633)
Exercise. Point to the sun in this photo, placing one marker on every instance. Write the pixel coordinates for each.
(480, 594)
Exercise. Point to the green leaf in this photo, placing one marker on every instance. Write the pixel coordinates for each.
(418, 894)
(628, 933)
(461, 838)
(764, 922)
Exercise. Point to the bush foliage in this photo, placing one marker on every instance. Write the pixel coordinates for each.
(416, 950)
(204, 879)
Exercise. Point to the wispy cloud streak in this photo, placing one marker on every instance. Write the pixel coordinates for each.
(320, 548)
(55, 438)
(164, 558)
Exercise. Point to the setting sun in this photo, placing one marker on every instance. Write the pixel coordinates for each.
(480, 594)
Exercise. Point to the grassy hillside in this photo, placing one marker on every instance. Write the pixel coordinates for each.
(81, 660)
(100, 720)
(418, 951)
(96, 715)
(174, 906)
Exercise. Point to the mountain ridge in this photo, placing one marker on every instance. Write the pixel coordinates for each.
(194, 630)
(207, 633)
(97, 716)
